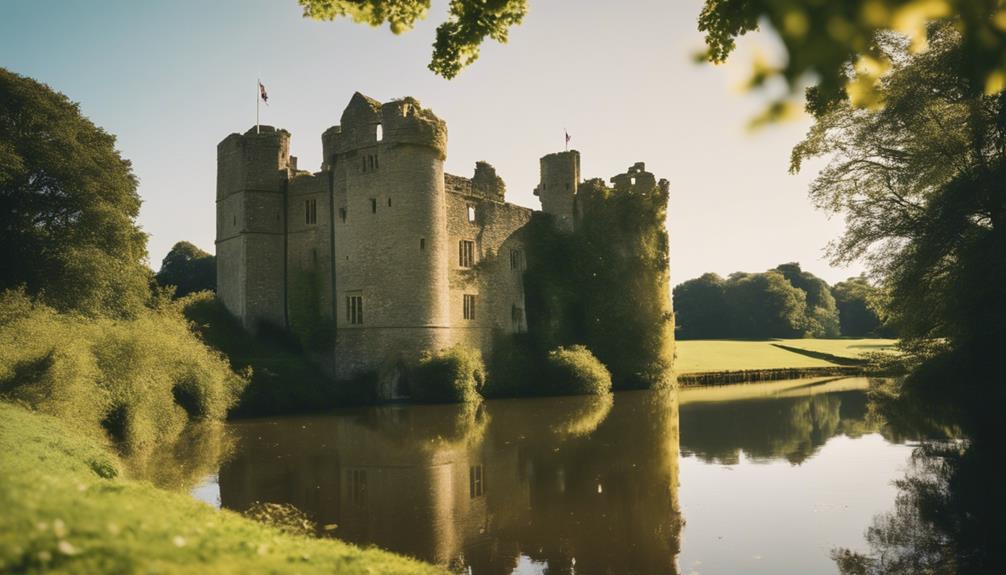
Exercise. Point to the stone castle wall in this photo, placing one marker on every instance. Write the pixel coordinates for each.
(381, 221)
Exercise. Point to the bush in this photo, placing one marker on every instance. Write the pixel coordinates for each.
(138, 381)
(283, 379)
(575, 371)
(452, 375)
(514, 368)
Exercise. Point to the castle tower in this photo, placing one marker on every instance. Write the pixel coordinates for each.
(252, 170)
(391, 253)
(560, 174)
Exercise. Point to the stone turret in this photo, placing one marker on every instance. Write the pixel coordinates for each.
(635, 178)
(560, 175)
(386, 165)
(252, 171)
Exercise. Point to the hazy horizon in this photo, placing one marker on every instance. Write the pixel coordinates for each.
(171, 81)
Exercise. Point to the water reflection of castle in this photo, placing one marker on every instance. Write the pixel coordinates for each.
(553, 481)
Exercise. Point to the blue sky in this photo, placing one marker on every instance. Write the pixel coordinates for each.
(172, 79)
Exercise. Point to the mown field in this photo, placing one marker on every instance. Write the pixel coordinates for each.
(703, 356)
(66, 507)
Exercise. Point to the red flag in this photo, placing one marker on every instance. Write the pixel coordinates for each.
(265, 97)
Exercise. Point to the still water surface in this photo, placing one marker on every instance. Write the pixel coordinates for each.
(758, 478)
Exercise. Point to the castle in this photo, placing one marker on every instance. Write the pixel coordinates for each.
(381, 249)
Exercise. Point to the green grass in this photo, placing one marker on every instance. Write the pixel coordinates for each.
(702, 356)
(67, 508)
(850, 348)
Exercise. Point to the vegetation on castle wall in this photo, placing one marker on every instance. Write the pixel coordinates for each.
(281, 378)
(605, 284)
(452, 375)
(309, 324)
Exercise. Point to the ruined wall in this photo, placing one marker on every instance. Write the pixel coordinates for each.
(251, 180)
(496, 280)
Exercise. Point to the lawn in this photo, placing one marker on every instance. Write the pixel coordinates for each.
(703, 356)
(852, 348)
(67, 508)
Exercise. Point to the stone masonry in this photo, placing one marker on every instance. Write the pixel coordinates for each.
(393, 255)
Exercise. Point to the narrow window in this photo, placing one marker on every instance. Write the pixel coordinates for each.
(373, 205)
(311, 211)
(377, 163)
(471, 213)
(466, 253)
(389, 201)
(380, 133)
(370, 159)
(235, 220)
(516, 260)
(364, 168)
(354, 309)
(469, 306)
(422, 244)
(342, 214)
(476, 481)
(632, 181)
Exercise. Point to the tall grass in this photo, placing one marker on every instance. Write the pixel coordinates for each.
(138, 381)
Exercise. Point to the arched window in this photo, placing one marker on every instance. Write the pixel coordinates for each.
(380, 133)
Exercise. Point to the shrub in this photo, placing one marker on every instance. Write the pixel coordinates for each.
(575, 371)
(452, 375)
(138, 381)
(514, 368)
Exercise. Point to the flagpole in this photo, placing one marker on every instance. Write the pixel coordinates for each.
(257, 98)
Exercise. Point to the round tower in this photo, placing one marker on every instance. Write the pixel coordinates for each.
(391, 233)
(560, 174)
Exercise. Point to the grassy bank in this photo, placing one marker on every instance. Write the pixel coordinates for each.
(67, 507)
(730, 361)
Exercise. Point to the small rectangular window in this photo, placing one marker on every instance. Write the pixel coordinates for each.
(364, 168)
(516, 260)
(373, 205)
(476, 481)
(466, 253)
(377, 164)
(469, 306)
(311, 211)
(389, 201)
(471, 213)
(422, 243)
(354, 309)
(342, 214)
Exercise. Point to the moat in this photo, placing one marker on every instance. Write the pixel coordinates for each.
(759, 478)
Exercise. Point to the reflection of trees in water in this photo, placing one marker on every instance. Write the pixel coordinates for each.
(773, 428)
(949, 513)
(196, 453)
(550, 480)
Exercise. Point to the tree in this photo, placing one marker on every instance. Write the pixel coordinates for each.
(68, 205)
(189, 269)
(857, 306)
(458, 40)
(920, 182)
(822, 314)
(765, 305)
(829, 40)
(700, 308)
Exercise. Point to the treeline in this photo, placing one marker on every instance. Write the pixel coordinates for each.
(784, 302)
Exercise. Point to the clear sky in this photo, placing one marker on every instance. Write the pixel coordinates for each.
(172, 79)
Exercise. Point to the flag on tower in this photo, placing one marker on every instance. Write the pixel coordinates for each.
(567, 140)
(262, 93)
